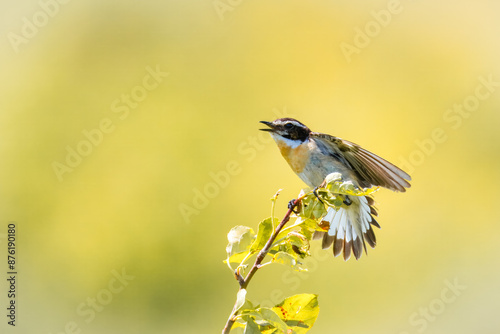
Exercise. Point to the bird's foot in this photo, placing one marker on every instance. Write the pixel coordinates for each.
(347, 200)
(315, 192)
(292, 206)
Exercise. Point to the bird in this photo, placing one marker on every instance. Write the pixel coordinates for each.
(313, 156)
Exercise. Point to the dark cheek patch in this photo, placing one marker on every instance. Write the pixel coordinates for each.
(300, 134)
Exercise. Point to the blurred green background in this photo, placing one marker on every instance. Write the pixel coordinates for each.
(68, 69)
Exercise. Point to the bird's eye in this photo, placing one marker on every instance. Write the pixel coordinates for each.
(288, 126)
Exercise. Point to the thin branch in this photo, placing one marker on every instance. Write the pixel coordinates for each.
(230, 320)
(273, 206)
(267, 247)
(260, 257)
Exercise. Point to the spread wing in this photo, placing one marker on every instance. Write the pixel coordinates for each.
(371, 168)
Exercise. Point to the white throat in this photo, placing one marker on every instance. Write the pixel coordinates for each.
(288, 142)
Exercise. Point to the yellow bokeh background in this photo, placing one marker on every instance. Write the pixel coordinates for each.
(119, 208)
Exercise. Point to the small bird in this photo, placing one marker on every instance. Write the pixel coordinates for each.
(313, 155)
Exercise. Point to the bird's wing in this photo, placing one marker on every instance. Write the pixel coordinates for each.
(370, 167)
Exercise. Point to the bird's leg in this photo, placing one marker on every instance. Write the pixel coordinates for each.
(291, 204)
(315, 192)
(347, 200)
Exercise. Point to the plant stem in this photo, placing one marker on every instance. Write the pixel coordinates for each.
(260, 257)
(230, 320)
(267, 247)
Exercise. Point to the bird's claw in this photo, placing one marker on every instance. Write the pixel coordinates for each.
(315, 192)
(347, 201)
(292, 206)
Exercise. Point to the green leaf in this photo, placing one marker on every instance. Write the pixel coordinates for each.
(251, 327)
(288, 259)
(335, 185)
(299, 312)
(263, 235)
(312, 208)
(239, 323)
(270, 318)
(330, 198)
(312, 225)
(299, 243)
(304, 224)
(309, 226)
(247, 306)
(240, 239)
(295, 314)
(308, 233)
(240, 299)
(266, 318)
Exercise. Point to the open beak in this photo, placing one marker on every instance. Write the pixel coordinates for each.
(269, 124)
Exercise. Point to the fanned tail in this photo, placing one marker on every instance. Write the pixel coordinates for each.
(350, 227)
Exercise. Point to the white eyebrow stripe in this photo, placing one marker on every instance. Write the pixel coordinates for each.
(296, 123)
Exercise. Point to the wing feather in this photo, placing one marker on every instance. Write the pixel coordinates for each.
(372, 169)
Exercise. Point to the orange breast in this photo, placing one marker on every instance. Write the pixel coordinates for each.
(296, 157)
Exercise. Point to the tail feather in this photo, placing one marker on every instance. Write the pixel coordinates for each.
(327, 241)
(347, 250)
(338, 245)
(357, 247)
(350, 228)
(370, 238)
(374, 223)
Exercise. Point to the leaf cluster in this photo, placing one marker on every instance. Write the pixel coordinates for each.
(287, 246)
(295, 314)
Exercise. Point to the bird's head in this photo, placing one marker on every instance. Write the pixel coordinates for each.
(288, 128)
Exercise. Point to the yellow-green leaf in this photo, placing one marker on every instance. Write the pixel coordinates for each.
(299, 243)
(266, 318)
(251, 327)
(312, 208)
(299, 312)
(240, 299)
(263, 235)
(273, 319)
(335, 185)
(289, 260)
(240, 239)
